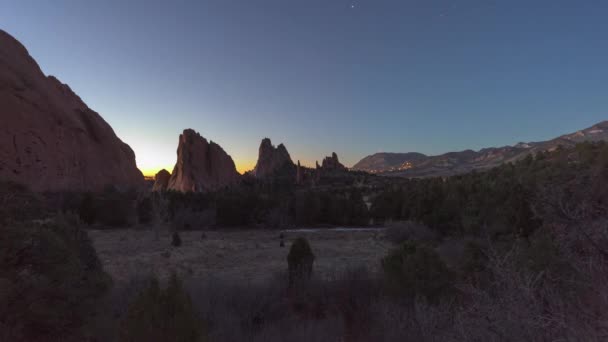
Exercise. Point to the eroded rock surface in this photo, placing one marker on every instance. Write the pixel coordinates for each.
(201, 166)
(161, 180)
(272, 160)
(49, 139)
(332, 163)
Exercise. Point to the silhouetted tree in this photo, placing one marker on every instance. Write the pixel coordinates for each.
(300, 261)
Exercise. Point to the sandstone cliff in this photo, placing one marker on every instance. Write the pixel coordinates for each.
(201, 166)
(332, 163)
(273, 161)
(161, 180)
(49, 139)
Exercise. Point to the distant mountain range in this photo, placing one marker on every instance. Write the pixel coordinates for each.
(413, 164)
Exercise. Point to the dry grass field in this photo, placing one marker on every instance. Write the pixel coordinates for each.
(247, 255)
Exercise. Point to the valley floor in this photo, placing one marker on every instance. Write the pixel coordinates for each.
(247, 255)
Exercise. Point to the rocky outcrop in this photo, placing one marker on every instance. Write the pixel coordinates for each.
(161, 180)
(332, 163)
(201, 166)
(49, 139)
(273, 161)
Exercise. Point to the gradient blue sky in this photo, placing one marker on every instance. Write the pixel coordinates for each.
(354, 77)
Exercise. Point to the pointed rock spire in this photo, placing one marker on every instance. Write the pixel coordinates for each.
(332, 163)
(272, 160)
(201, 166)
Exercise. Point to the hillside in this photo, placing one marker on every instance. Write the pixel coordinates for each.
(414, 164)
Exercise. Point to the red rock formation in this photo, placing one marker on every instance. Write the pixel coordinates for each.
(272, 160)
(49, 139)
(161, 180)
(332, 163)
(201, 166)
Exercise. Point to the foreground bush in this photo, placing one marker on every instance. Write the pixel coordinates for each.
(110, 208)
(159, 315)
(515, 301)
(50, 278)
(176, 240)
(145, 210)
(400, 232)
(188, 219)
(18, 204)
(299, 261)
(416, 269)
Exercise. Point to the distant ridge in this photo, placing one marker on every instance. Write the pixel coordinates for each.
(413, 164)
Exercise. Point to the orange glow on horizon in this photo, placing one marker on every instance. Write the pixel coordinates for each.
(242, 168)
(151, 172)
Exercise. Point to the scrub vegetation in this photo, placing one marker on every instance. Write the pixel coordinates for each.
(516, 253)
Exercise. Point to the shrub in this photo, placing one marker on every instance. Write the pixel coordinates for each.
(300, 261)
(176, 241)
(189, 219)
(111, 208)
(145, 210)
(18, 204)
(415, 269)
(474, 258)
(354, 292)
(544, 255)
(115, 211)
(87, 209)
(162, 315)
(400, 232)
(52, 279)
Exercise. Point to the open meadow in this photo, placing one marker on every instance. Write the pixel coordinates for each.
(244, 255)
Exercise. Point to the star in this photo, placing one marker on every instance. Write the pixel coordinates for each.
(352, 6)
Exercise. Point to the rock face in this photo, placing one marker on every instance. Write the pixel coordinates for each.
(201, 166)
(332, 163)
(49, 139)
(161, 180)
(272, 160)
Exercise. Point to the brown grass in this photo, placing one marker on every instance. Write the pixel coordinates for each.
(252, 255)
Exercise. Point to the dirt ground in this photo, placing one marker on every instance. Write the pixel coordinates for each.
(251, 255)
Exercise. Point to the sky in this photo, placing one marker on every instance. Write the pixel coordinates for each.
(354, 77)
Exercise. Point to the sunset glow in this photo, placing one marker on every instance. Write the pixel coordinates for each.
(319, 170)
(150, 171)
(321, 76)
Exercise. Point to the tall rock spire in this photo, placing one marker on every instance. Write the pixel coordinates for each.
(272, 160)
(201, 166)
